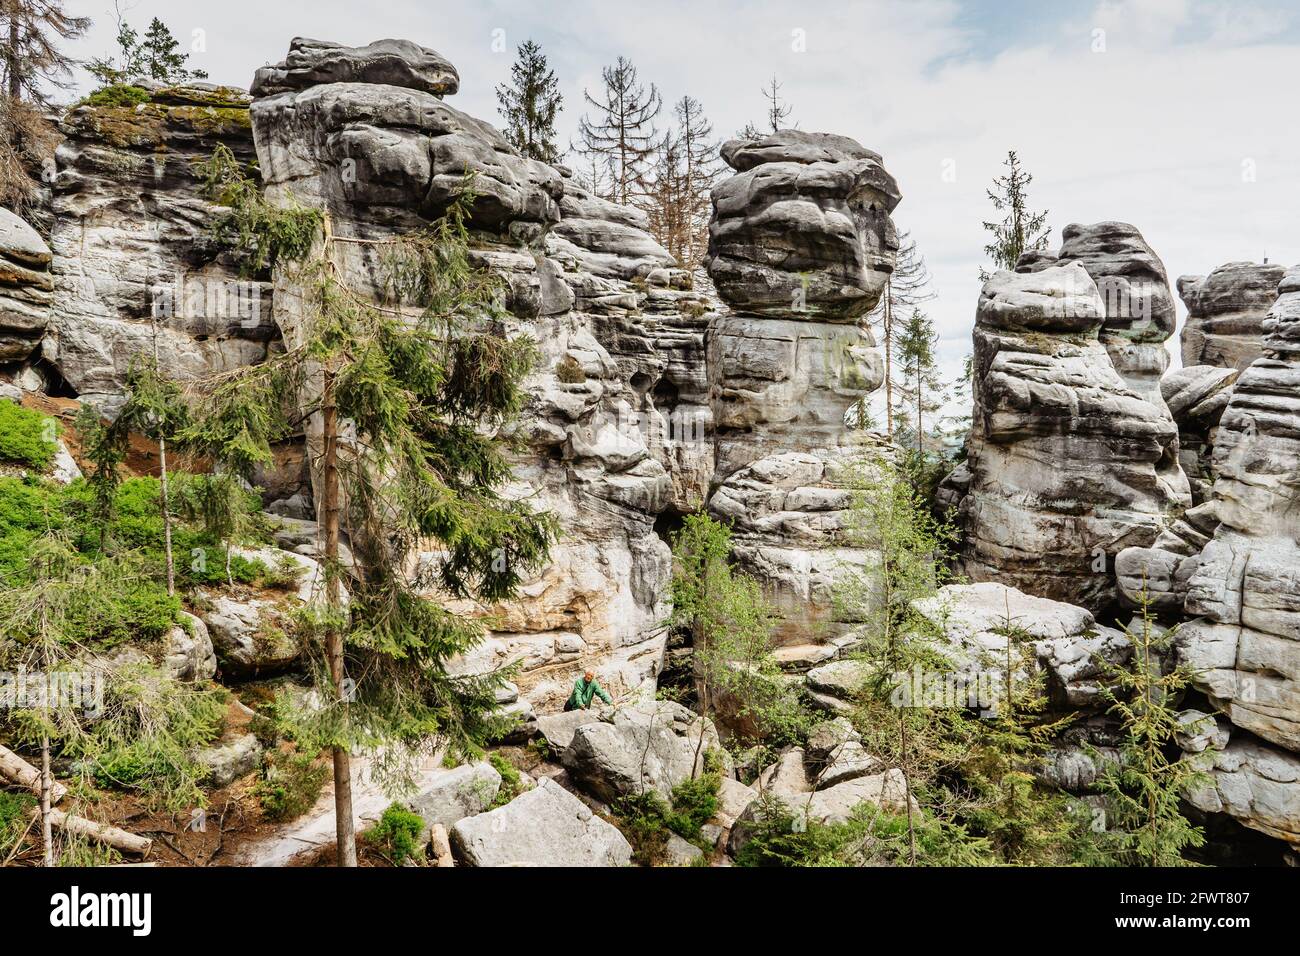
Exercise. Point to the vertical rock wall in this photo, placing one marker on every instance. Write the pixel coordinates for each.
(131, 239)
(365, 134)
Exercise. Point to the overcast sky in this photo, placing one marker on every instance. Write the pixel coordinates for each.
(1175, 115)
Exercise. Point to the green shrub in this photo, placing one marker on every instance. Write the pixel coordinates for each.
(146, 738)
(26, 437)
(694, 804)
(119, 94)
(511, 783)
(397, 834)
(15, 810)
(291, 784)
(870, 837)
(647, 819)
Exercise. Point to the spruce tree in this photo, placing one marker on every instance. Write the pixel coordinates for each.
(907, 287)
(529, 104)
(428, 381)
(1021, 229)
(1144, 789)
(621, 131)
(778, 110)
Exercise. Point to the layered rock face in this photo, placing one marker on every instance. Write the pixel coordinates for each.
(131, 242)
(25, 288)
(1140, 314)
(1225, 313)
(365, 134)
(1236, 577)
(1068, 464)
(1196, 396)
(800, 247)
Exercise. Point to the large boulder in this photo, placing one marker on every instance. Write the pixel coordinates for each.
(547, 826)
(391, 62)
(447, 796)
(644, 747)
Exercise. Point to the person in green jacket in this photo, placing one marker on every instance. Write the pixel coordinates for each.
(584, 689)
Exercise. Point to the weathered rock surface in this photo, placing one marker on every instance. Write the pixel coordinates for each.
(1255, 784)
(1225, 313)
(228, 760)
(26, 288)
(803, 225)
(1231, 565)
(448, 796)
(1196, 396)
(131, 242)
(187, 650)
(644, 747)
(1132, 282)
(547, 826)
(1068, 465)
(391, 62)
(365, 134)
(801, 245)
(1065, 641)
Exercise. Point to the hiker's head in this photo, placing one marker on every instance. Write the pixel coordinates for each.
(589, 676)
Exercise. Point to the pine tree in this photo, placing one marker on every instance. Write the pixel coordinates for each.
(1020, 230)
(529, 104)
(622, 131)
(428, 381)
(777, 109)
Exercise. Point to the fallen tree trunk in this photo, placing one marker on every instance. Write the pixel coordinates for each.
(18, 771)
(101, 833)
(440, 846)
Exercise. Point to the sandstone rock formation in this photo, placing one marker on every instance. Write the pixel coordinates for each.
(1231, 566)
(1068, 465)
(800, 247)
(25, 288)
(373, 143)
(1225, 312)
(131, 241)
